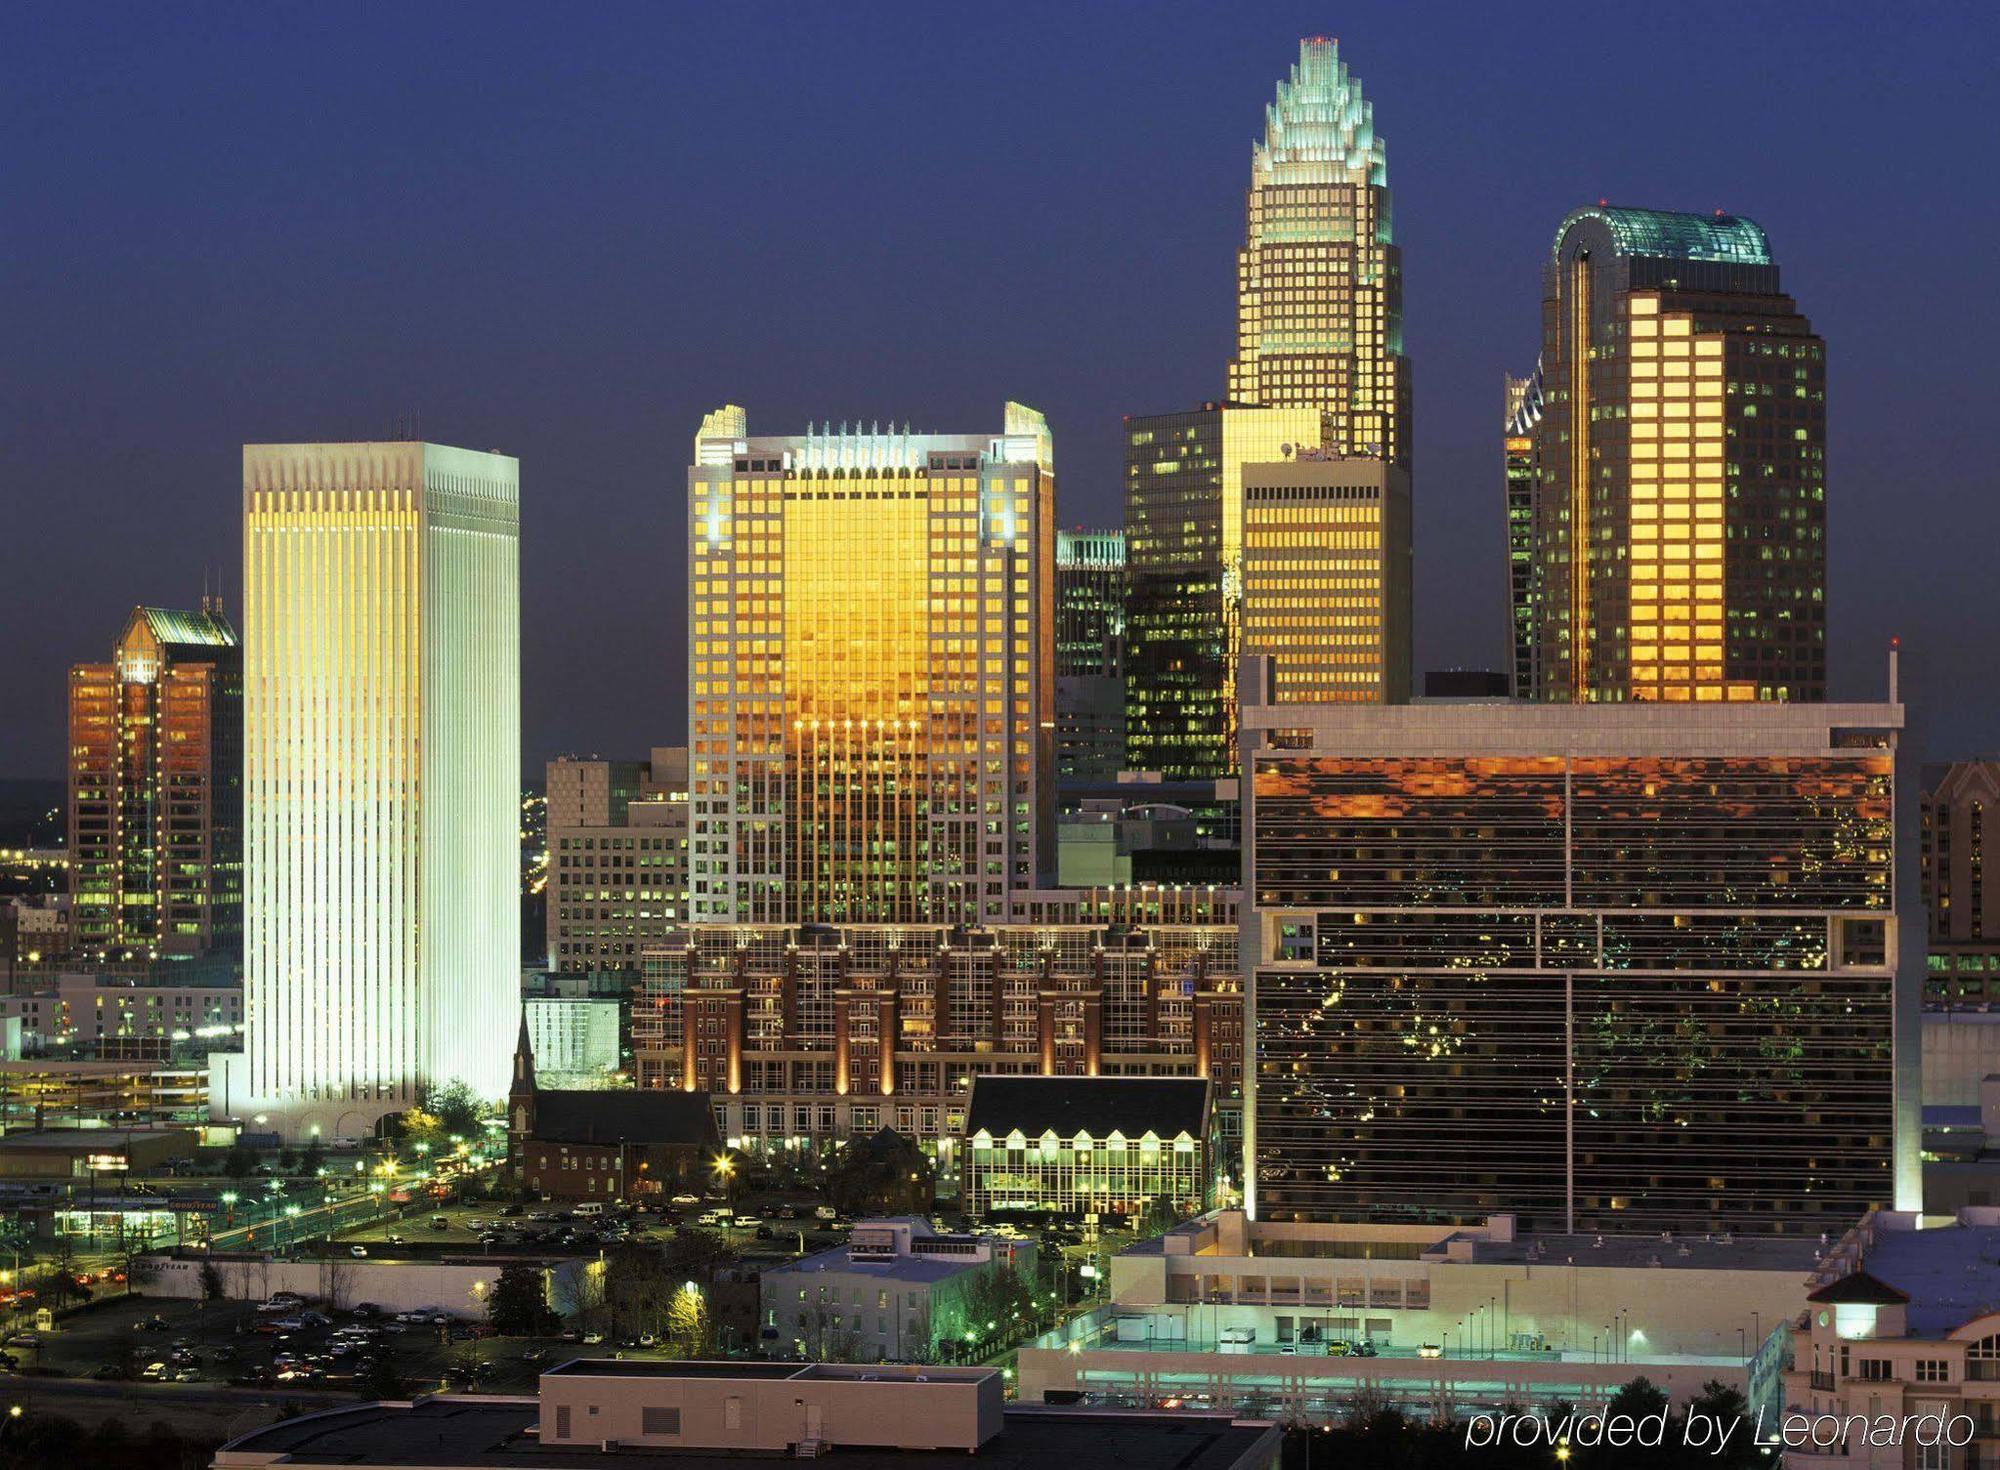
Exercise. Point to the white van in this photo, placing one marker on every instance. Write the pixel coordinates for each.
(716, 1217)
(588, 1209)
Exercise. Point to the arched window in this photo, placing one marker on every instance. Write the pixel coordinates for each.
(1982, 1360)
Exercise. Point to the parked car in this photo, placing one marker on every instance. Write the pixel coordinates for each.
(155, 1323)
(107, 1372)
(592, 1339)
(23, 1339)
(686, 1200)
(154, 1372)
(359, 1252)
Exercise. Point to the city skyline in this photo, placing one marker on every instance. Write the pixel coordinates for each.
(1905, 439)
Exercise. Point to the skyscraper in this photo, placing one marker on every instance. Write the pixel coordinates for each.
(1090, 655)
(156, 791)
(382, 777)
(1603, 967)
(1319, 281)
(1319, 372)
(872, 661)
(1326, 577)
(618, 858)
(1524, 411)
(1684, 435)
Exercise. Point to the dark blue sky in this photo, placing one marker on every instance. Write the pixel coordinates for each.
(566, 231)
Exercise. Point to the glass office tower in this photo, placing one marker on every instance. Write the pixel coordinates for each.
(871, 651)
(1602, 967)
(156, 791)
(382, 779)
(1524, 411)
(1090, 655)
(1319, 281)
(1680, 520)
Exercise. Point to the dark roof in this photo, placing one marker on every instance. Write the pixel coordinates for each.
(1858, 1288)
(647, 1116)
(1099, 1106)
(493, 1432)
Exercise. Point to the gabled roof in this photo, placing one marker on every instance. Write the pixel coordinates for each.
(647, 1116)
(1858, 1288)
(1099, 1106)
(179, 627)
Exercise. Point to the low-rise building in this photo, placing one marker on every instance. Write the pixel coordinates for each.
(1087, 1146)
(115, 1015)
(1905, 1323)
(1300, 1320)
(899, 1290)
(728, 1415)
(36, 1093)
(604, 1143)
(91, 1153)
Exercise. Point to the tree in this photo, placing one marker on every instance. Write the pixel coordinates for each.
(998, 1304)
(379, 1378)
(1725, 1406)
(211, 1283)
(312, 1158)
(140, 1268)
(519, 1306)
(694, 1254)
(457, 1108)
(637, 1288)
(239, 1162)
(882, 1174)
(690, 1329)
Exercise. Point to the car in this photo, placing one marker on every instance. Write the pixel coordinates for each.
(570, 1334)
(290, 1298)
(155, 1323)
(649, 1339)
(1430, 1350)
(365, 1310)
(592, 1339)
(413, 1316)
(254, 1378)
(187, 1375)
(224, 1355)
(154, 1372)
(439, 1222)
(1365, 1350)
(359, 1252)
(1339, 1349)
(394, 1239)
(512, 1212)
(107, 1372)
(9, 1363)
(685, 1200)
(23, 1339)
(535, 1355)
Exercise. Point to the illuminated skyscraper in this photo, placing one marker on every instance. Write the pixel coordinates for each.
(1090, 655)
(1319, 372)
(1319, 281)
(1326, 578)
(1603, 967)
(1524, 411)
(156, 791)
(1685, 434)
(382, 777)
(872, 662)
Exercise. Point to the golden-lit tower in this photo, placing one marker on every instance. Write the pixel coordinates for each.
(1679, 536)
(871, 656)
(1319, 281)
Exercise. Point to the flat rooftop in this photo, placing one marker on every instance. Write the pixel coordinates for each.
(91, 1137)
(1800, 1253)
(494, 1432)
(1952, 1273)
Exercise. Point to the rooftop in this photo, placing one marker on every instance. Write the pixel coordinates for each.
(1951, 1274)
(1800, 1253)
(485, 1432)
(1672, 235)
(633, 1116)
(1100, 1106)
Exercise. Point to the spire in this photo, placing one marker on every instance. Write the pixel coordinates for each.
(524, 1058)
(1320, 124)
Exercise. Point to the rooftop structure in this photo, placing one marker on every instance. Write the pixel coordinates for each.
(447, 1432)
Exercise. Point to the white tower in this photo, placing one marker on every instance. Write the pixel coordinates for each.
(382, 711)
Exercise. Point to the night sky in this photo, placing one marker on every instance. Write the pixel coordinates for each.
(566, 231)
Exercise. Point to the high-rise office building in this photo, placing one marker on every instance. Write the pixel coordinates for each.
(1602, 967)
(156, 791)
(1319, 281)
(872, 660)
(618, 859)
(1090, 655)
(382, 777)
(1184, 578)
(1680, 523)
(1326, 577)
(1962, 909)
(1319, 371)
(1524, 411)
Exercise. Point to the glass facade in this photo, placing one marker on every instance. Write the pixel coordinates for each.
(1184, 578)
(1090, 655)
(1606, 992)
(1524, 411)
(1319, 281)
(155, 818)
(872, 647)
(1683, 443)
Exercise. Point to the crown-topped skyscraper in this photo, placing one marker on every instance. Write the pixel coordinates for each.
(1319, 281)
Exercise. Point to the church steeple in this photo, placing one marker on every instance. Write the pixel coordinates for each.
(524, 1060)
